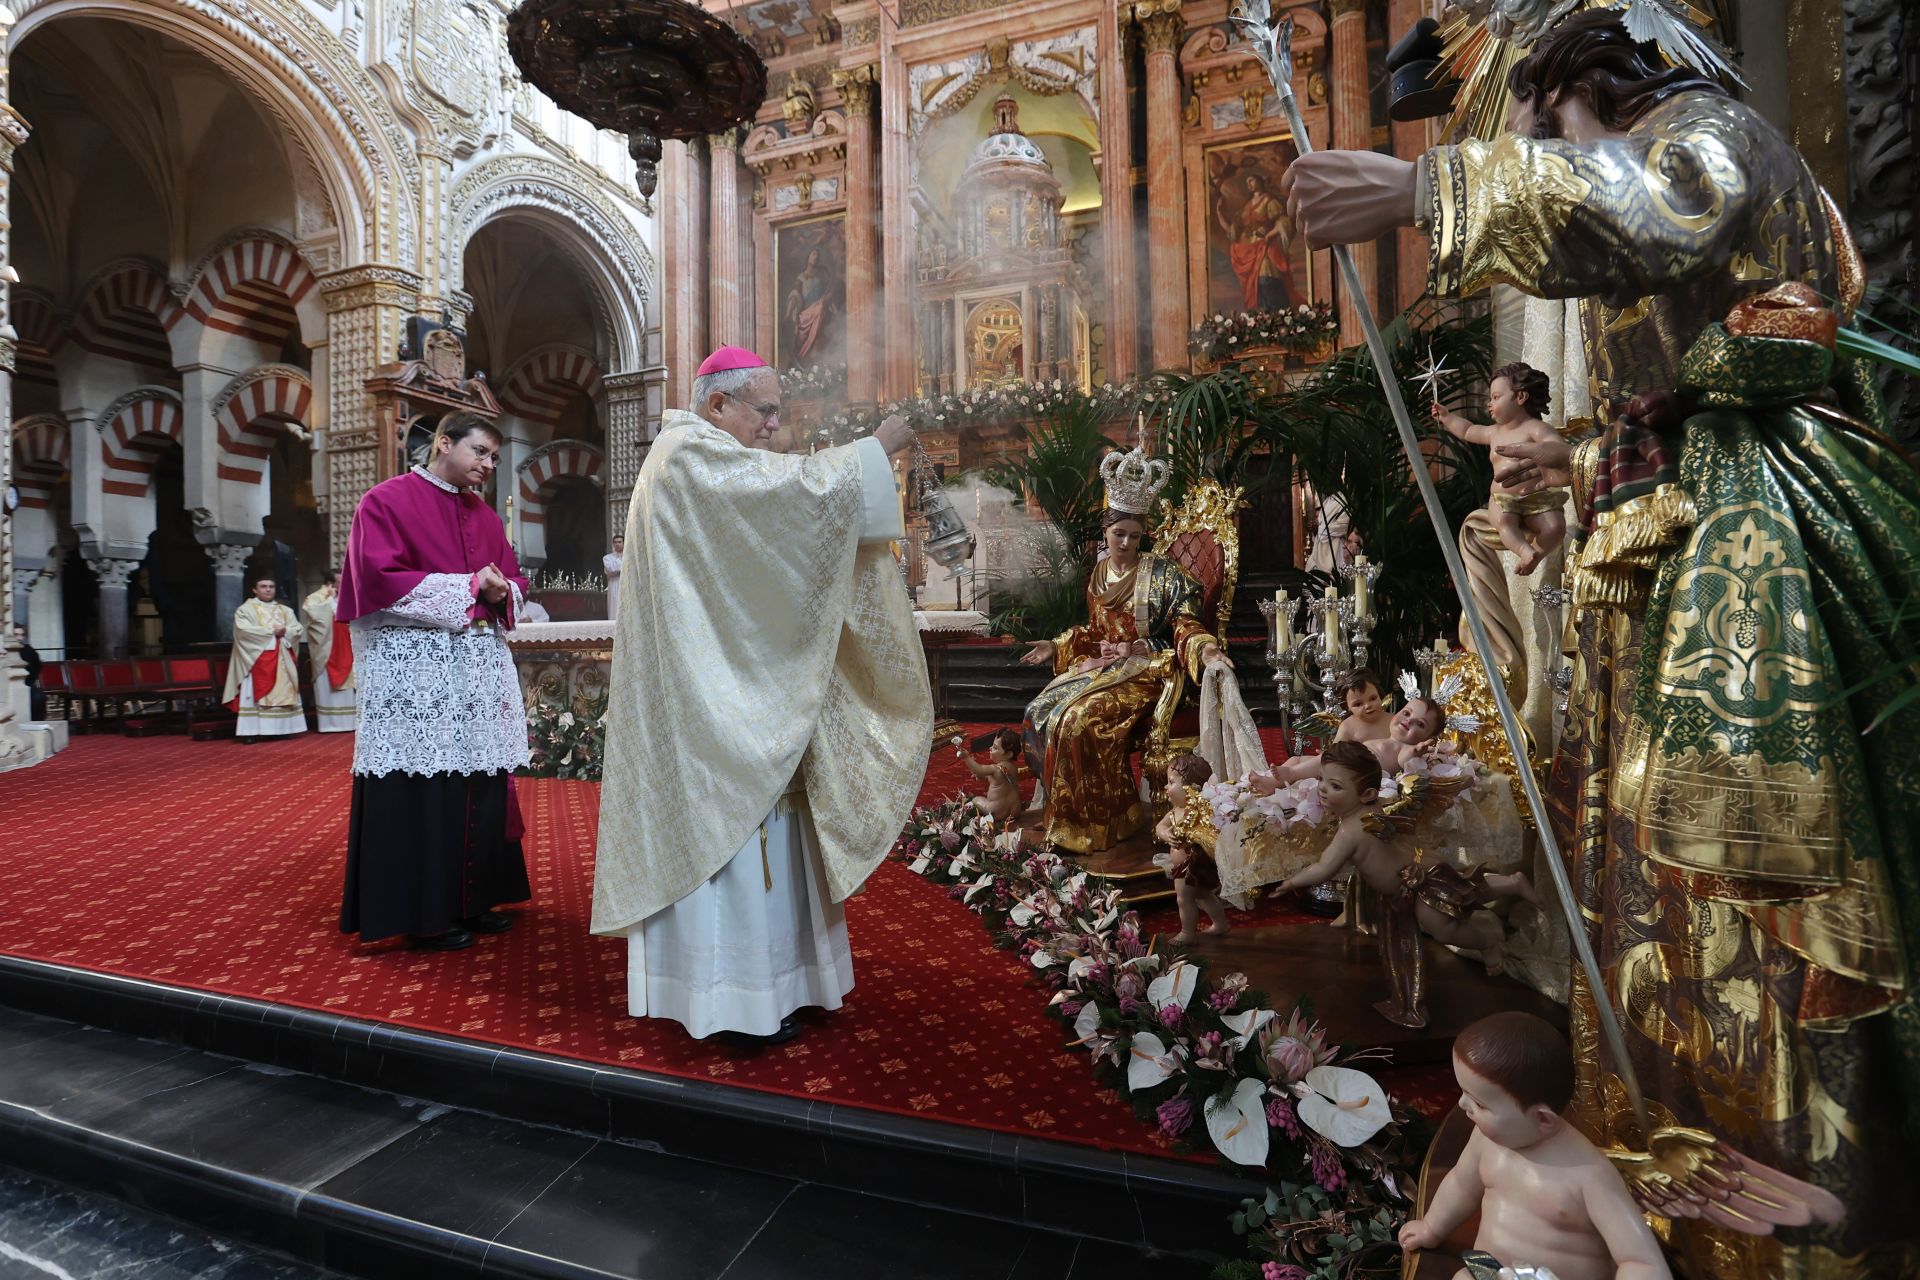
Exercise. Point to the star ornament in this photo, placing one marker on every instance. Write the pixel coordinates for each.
(1432, 369)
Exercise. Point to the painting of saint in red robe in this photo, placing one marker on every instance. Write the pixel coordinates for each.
(809, 269)
(1257, 262)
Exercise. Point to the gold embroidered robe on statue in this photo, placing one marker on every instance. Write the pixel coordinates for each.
(1080, 731)
(1761, 980)
(766, 673)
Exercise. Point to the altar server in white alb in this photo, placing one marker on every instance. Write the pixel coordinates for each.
(336, 704)
(770, 713)
(263, 673)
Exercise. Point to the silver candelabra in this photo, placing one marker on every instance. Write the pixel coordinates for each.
(1559, 673)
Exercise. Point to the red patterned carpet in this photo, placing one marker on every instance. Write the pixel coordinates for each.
(217, 866)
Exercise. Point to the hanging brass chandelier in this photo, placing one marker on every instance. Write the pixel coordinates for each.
(651, 69)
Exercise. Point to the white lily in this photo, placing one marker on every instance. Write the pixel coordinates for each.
(1174, 987)
(1343, 1105)
(1237, 1123)
(1153, 1063)
(1248, 1025)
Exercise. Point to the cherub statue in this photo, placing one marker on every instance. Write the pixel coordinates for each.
(1189, 835)
(1547, 1197)
(1434, 898)
(1001, 774)
(1553, 1204)
(1530, 525)
(1413, 731)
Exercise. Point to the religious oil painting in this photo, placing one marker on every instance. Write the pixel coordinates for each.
(1255, 259)
(810, 274)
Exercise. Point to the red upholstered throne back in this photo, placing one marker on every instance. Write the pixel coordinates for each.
(1201, 555)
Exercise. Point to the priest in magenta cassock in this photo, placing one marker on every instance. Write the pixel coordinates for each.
(263, 674)
(770, 714)
(431, 588)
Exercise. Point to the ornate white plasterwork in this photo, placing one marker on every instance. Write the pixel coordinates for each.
(617, 257)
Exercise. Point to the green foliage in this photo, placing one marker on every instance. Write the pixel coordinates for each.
(1060, 471)
(1046, 597)
(1301, 1225)
(567, 742)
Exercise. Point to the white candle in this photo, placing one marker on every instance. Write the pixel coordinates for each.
(1362, 600)
(1331, 628)
(1282, 622)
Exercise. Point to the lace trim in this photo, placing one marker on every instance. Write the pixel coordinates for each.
(435, 480)
(435, 696)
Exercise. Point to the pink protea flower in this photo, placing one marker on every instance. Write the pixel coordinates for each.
(1175, 1116)
(1288, 1060)
(1283, 1271)
(949, 838)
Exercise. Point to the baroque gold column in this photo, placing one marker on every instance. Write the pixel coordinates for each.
(367, 310)
(857, 86)
(727, 293)
(1353, 131)
(1119, 252)
(1160, 30)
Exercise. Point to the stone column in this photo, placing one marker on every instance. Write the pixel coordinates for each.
(683, 239)
(1410, 142)
(436, 266)
(728, 323)
(1160, 30)
(367, 310)
(14, 708)
(899, 267)
(1119, 255)
(857, 86)
(229, 564)
(626, 433)
(1353, 131)
(114, 575)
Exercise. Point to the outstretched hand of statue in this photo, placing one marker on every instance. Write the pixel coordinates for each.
(1348, 197)
(1041, 653)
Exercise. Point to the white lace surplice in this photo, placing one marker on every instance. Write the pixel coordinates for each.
(436, 694)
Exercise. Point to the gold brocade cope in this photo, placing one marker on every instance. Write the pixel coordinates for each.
(758, 638)
(253, 639)
(1081, 730)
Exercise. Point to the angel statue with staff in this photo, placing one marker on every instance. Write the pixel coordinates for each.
(1735, 789)
(1143, 631)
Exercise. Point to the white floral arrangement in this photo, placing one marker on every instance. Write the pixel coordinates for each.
(1307, 327)
(1017, 402)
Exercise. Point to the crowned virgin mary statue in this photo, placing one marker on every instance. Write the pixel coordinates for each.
(1142, 627)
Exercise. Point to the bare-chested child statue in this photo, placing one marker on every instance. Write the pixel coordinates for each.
(1001, 774)
(1531, 525)
(1547, 1197)
(1413, 730)
(1189, 834)
(1434, 898)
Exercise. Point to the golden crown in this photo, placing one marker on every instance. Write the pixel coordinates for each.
(1133, 480)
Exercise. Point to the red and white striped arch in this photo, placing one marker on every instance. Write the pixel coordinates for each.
(547, 466)
(132, 439)
(539, 387)
(41, 444)
(42, 330)
(254, 289)
(127, 314)
(260, 407)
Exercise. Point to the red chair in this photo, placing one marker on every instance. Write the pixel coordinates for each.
(1202, 537)
(117, 685)
(53, 683)
(83, 688)
(193, 682)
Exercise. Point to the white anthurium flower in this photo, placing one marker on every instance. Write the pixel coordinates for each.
(1022, 915)
(1080, 968)
(1343, 1105)
(1152, 1062)
(1149, 963)
(921, 863)
(1044, 959)
(1248, 1025)
(983, 883)
(1175, 986)
(1237, 1123)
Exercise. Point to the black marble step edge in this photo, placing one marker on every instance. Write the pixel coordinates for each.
(321, 1229)
(1113, 1195)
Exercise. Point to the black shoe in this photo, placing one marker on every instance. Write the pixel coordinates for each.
(489, 922)
(744, 1040)
(451, 940)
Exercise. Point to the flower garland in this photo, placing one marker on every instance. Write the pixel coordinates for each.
(1017, 402)
(564, 744)
(1206, 1062)
(1306, 328)
(815, 379)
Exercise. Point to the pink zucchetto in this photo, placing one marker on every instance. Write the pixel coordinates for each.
(730, 358)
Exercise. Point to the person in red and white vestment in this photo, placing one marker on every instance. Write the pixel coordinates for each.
(336, 704)
(263, 676)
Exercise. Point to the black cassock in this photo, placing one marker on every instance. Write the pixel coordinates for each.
(424, 854)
